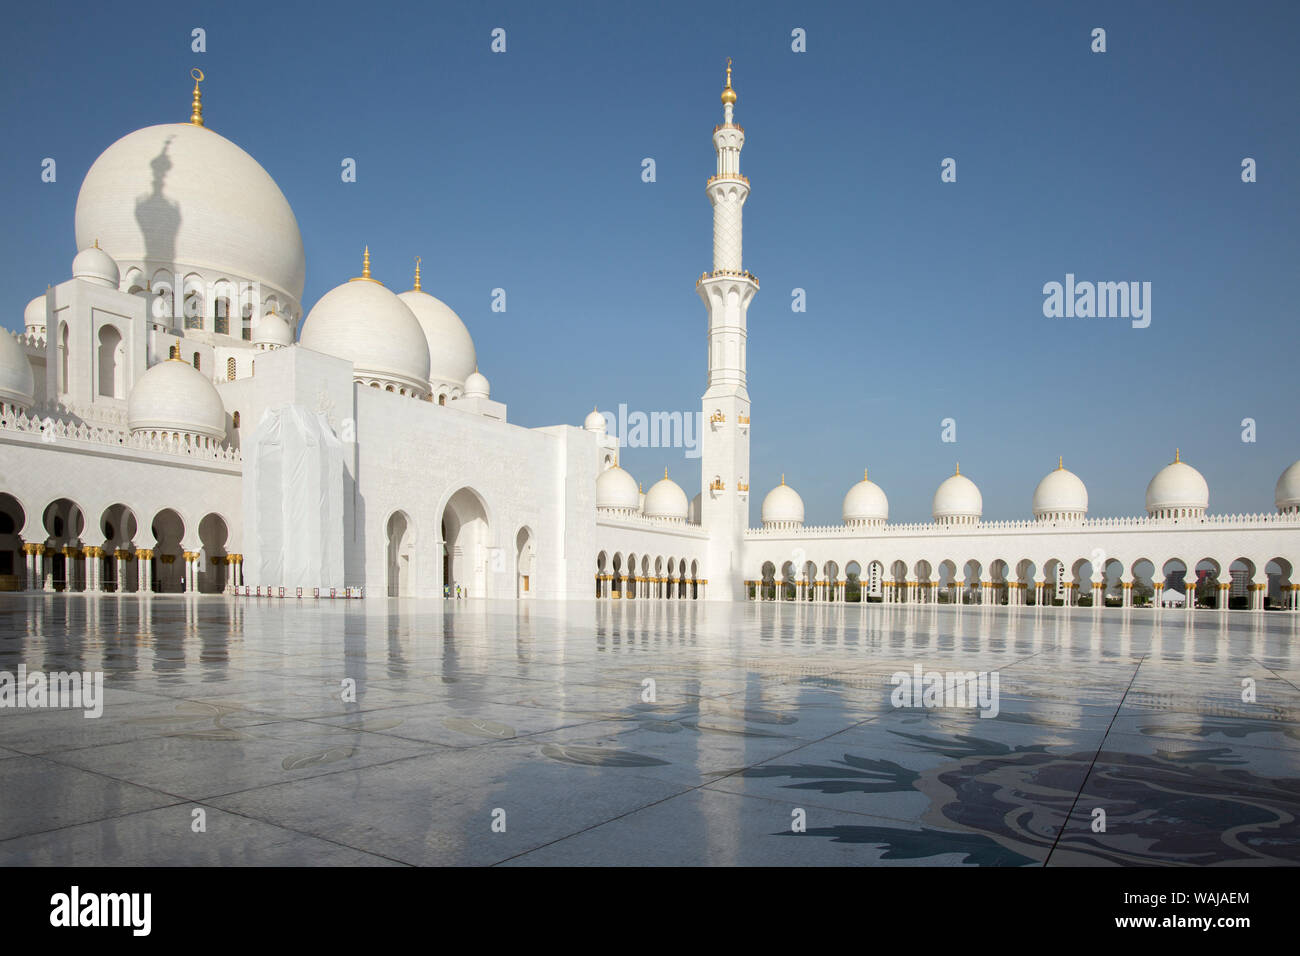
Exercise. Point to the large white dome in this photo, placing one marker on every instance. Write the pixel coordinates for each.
(1178, 490)
(452, 358)
(365, 323)
(1061, 495)
(1287, 493)
(665, 499)
(782, 507)
(957, 501)
(17, 386)
(865, 504)
(616, 490)
(181, 197)
(173, 396)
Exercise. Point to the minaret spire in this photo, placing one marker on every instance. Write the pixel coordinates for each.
(726, 292)
(416, 288)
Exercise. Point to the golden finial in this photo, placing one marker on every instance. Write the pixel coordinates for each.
(783, 477)
(365, 269)
(196, 107)
(1178, 456)
(417, 283)
(729, 95)
(1060, 463)
(96, 243)
(958, 471)
(864, 474)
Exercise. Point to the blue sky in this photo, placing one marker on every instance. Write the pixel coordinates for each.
(924, 299)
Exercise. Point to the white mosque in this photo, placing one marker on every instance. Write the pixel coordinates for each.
(163, 429)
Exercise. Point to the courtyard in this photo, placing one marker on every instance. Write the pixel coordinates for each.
(244, 731)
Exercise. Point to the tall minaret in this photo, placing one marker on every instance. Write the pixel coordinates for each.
(726, 291)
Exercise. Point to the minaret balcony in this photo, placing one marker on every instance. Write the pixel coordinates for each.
(728, 273)
(736, 177)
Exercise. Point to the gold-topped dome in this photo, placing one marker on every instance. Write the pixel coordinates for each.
(728, 94)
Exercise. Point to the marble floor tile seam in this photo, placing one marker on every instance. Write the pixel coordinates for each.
(701, 785)
(1083, 784)
(486, 742)
(175, 800)
(302, 833)
(1281, 677)
(433, 749)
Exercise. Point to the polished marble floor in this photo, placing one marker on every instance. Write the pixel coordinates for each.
(490, 733)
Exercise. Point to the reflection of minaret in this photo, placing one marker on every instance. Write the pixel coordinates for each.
(726, 291)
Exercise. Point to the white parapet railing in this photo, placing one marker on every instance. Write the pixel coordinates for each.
(49, 428)
(930, 528)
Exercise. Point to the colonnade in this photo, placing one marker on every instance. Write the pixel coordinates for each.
(86, 568)
(636, 586)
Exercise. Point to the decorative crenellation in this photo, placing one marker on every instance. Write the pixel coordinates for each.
(50, 428)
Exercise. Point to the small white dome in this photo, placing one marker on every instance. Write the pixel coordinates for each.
(476, 385)
(865, 503)
(452, 359)
(17, 386)
(594, 422)
(1061, 494)
(957, 501)
(273, 330)
(1287, 493)
(1177, 490)
(616, 490)
(97, 266)
(665, 499)
(782, 506)
(371, 327)
(34, 314)
(173, 396)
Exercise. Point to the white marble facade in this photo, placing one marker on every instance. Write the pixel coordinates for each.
(131, 403)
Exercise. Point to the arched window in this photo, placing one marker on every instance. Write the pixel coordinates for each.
(247, 331)
(111, 361)
(196, 359)
(442, 399)
(221, 322)
(230, 369)
(63, 357)
(193, 310)
(235, 419)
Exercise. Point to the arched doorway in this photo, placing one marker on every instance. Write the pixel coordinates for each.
(525, 559)
(465, 545)
(213, 535)
(401, 552)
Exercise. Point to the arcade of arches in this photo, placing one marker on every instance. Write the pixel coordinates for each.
(1243, 583)
(113, 551)
(641, 576)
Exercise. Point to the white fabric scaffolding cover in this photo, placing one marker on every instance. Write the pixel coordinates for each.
(293, 502)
